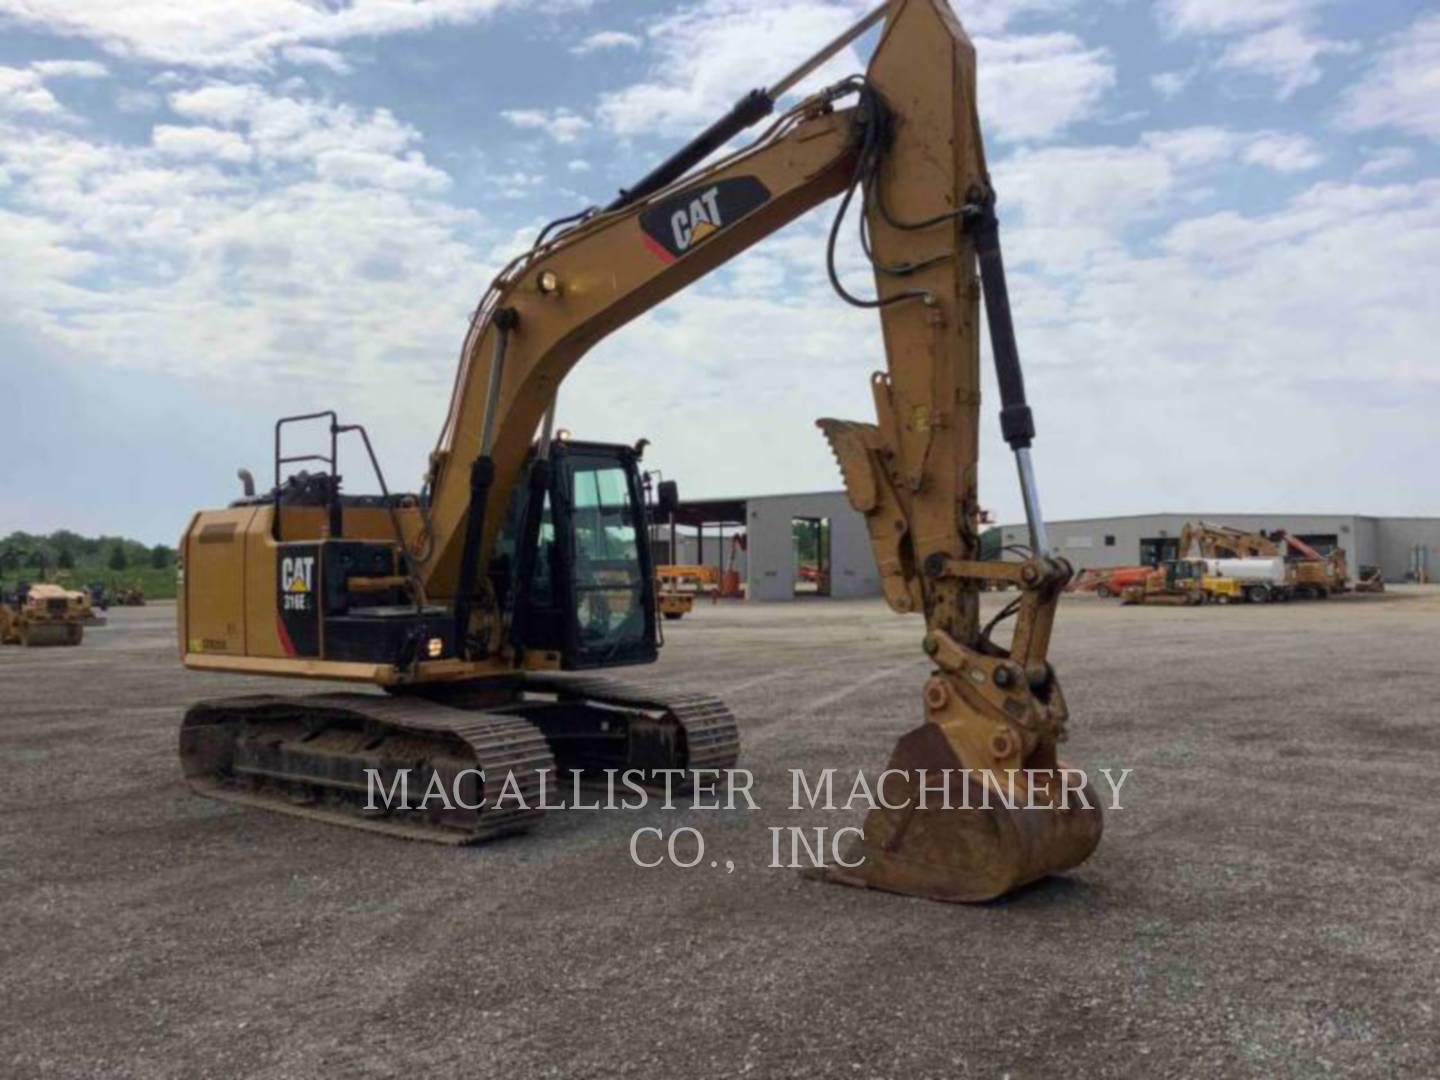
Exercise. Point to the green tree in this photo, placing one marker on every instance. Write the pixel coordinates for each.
(118, 561)
(66, 560)
(803, 533)
(161, 557)
(65, 540)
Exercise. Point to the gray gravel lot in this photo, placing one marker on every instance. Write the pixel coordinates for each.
(1267, 903)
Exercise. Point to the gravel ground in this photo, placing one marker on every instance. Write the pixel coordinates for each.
(1267, 902)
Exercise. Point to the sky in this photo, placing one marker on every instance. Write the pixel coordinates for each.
(1221, 221)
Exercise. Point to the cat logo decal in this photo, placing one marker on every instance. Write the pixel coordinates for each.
(675, 225)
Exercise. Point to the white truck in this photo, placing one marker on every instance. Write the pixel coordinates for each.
(1261, 579)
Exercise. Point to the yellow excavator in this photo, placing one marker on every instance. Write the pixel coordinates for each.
(45, 614)
(1311, 574)
(1224, 542)
(484, 603)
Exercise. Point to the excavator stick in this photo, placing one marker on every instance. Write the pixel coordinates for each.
(987, 805)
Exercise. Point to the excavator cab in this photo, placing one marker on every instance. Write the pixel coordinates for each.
(572, 562)
(1181, 574)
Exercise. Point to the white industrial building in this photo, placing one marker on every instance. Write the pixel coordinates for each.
(770, 564)
(1405, 548)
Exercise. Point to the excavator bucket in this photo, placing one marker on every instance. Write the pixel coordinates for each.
(968, 836)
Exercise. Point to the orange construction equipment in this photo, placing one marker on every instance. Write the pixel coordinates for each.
(1109, 581)
(730, 584)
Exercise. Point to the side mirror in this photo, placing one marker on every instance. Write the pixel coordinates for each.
(667, 498)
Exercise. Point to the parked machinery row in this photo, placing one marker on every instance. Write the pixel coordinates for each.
(1222, 564)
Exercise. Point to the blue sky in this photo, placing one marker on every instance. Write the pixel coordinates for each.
(1222, 221)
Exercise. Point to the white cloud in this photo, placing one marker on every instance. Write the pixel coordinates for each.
(1288, 54)
(606, 40)
(1402, 88)
(562, 125)
(1226, 16)
(224, 103)
(1076, 206)
(992, 16)
(1232, 298)
(706, 59)
(311, 54)
(201, 142)
(1275, 40)
(340, 142)
(369, 168)
(1033, 87)
(70, 69)
(1168, 84)
(51, 256)
(578, 165)
(1283, 153)
(23, 90)
(131, 100)
(514, 185)
(1194, 146)
(223, 33)
(294, 236)
(1388, 159)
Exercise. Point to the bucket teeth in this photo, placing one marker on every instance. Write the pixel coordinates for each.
(969, 843)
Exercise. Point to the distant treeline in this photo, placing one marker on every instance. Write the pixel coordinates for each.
(74, 560)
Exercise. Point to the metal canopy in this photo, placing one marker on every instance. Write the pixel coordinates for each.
(699, 513)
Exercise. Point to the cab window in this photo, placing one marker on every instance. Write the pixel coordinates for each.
(609, 594)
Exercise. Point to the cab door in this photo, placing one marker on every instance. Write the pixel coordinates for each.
(608, 576)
